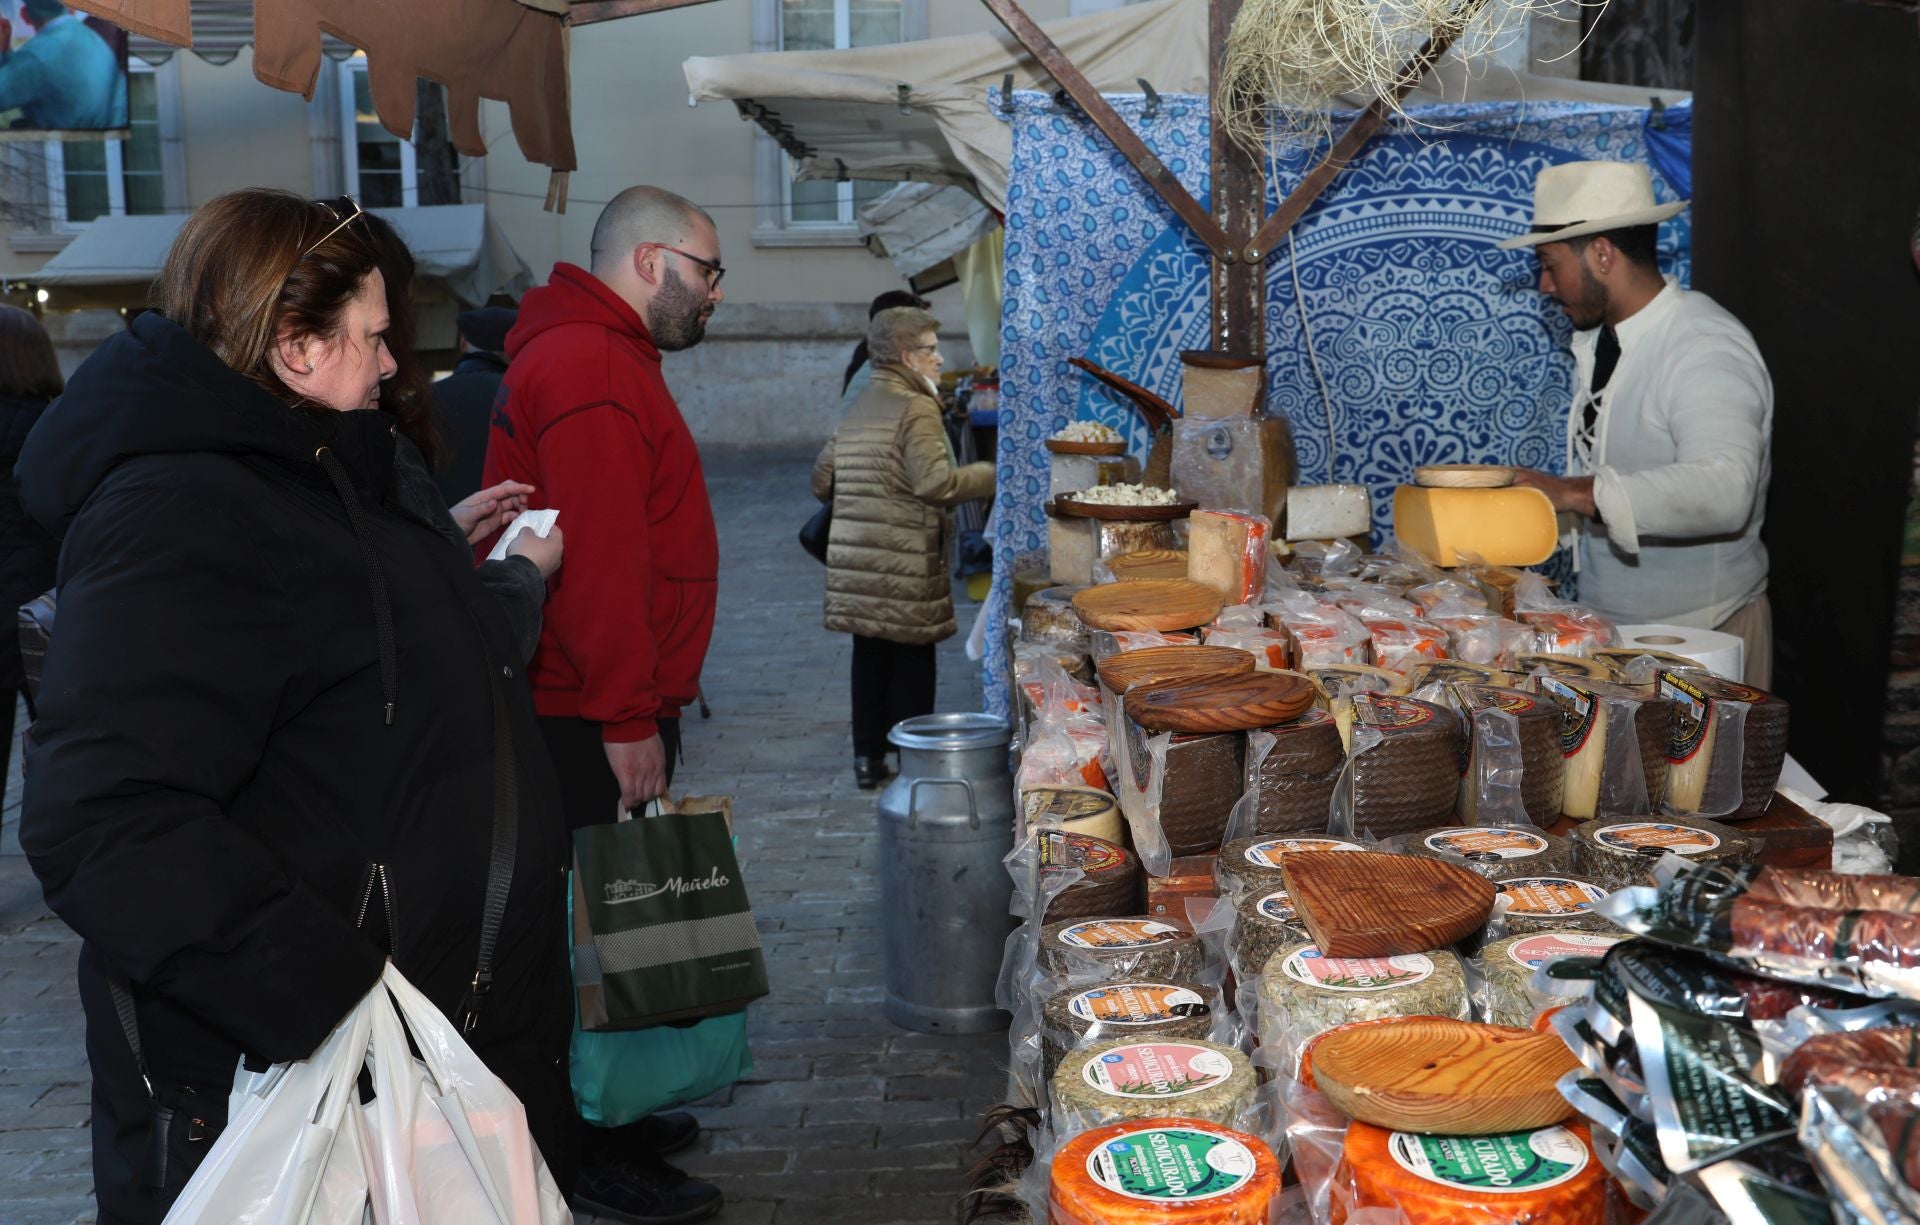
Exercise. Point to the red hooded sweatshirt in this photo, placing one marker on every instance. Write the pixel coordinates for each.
(584, 416)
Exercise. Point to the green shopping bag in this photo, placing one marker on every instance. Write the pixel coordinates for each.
(662, 929)
(619, 1078)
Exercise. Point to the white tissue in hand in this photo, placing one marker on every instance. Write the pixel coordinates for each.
(539, 522)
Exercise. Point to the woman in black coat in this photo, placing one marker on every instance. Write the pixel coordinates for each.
(278, 707)
(29, 378)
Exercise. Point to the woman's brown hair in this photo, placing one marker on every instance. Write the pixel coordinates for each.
(253, 262)
(29, 370)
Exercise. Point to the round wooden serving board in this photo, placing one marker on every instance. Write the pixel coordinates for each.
(1438, 1076)
(1062, 446)
(1153, 665)
(1463, 476)
(1159, 605)
(1063, 505)
(1148, 563)
(1221, 703)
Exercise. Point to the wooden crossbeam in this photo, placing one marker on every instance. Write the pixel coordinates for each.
(1124, 138)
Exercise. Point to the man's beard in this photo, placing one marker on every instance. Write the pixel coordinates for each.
(677, 317)
(1589, 309)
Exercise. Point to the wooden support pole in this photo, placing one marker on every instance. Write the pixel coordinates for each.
(1239, 198)
(1104, 117)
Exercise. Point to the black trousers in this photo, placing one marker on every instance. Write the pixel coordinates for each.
(891, 681)
(588, 790)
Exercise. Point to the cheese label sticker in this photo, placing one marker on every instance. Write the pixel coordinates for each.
(1547, 897)
(1171, 1164)
(1137, 1004)
(1511, 1164)
(1157, 1070)
(1377, 710)
(1269, 854)
(1120, 934)
(1358, 973)
(1485, 697)
(1475, 842)
(1536, 951)
(1694, 698)
(1066, 805)
(1059, 850)
(1637, 836)
(1583, 711)
(1275, 906)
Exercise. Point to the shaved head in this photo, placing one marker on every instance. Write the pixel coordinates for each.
(661, 254)
(643, 214)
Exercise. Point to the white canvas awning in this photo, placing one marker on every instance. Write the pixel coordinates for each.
(114, 259)
(920, 111)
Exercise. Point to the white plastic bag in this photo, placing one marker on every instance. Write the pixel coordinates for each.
(443, 1142)
(278, 1151)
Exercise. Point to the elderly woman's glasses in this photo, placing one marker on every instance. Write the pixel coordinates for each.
(343, 222)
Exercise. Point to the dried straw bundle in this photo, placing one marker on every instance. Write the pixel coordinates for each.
(1289, 61)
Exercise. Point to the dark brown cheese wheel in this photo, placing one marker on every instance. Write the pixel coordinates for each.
(1110, 884)
(1296, 776)
(1409, 780)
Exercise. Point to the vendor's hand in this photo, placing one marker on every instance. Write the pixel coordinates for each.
(482, 514)
(1573, 493)
(640, 766)
(543, 551)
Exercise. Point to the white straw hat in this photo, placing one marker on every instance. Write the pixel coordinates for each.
(1575, 199)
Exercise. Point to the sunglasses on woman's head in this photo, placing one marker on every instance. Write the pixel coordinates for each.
(342, 222)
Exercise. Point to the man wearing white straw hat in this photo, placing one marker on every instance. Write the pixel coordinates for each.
(1670, 431)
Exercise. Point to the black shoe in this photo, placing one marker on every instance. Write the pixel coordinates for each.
(870, 772)
(645, 1192)
(656, 1136)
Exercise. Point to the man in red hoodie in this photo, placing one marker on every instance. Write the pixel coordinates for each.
(584, 415)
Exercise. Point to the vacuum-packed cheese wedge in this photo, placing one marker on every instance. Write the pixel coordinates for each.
(1272, 649)
(1077, 810)
(1406, 768)
(1109, 882)
(1542, 768)
(1608, 738)
(1326, 512)
(1227, 551)
(1706, 777)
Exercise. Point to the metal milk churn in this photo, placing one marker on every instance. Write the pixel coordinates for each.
(946, 823)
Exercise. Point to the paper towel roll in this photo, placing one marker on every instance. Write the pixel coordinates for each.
(1722, 654)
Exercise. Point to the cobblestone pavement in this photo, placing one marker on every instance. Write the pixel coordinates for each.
(846, 1118)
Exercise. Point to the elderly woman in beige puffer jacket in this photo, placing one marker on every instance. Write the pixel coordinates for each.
(890, 472)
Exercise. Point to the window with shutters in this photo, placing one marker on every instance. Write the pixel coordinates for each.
(821, 211)
(86, 179)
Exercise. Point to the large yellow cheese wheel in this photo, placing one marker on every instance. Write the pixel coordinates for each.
(1549, 1176)
(1502, 527)
(1171, 1171)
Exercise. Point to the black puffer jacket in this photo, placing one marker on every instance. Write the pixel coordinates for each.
(27, 553)
(216, 795)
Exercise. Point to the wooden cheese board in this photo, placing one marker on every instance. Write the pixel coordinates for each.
(1221, 703)
(1154, 665)
(1148, 564)
(1064, 446)
(1131, 513)
(1438, 1076)
(1463, 476)
(1158, 604)
(1372, 904)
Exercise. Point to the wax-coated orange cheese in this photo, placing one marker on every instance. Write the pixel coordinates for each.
(1172, 1171)
(1549, 1176)
(1502, 527)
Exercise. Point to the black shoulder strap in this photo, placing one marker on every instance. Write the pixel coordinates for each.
(506, 833)
(129, 1022)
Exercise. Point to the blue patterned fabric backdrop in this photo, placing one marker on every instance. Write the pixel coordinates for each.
(1434, 345)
